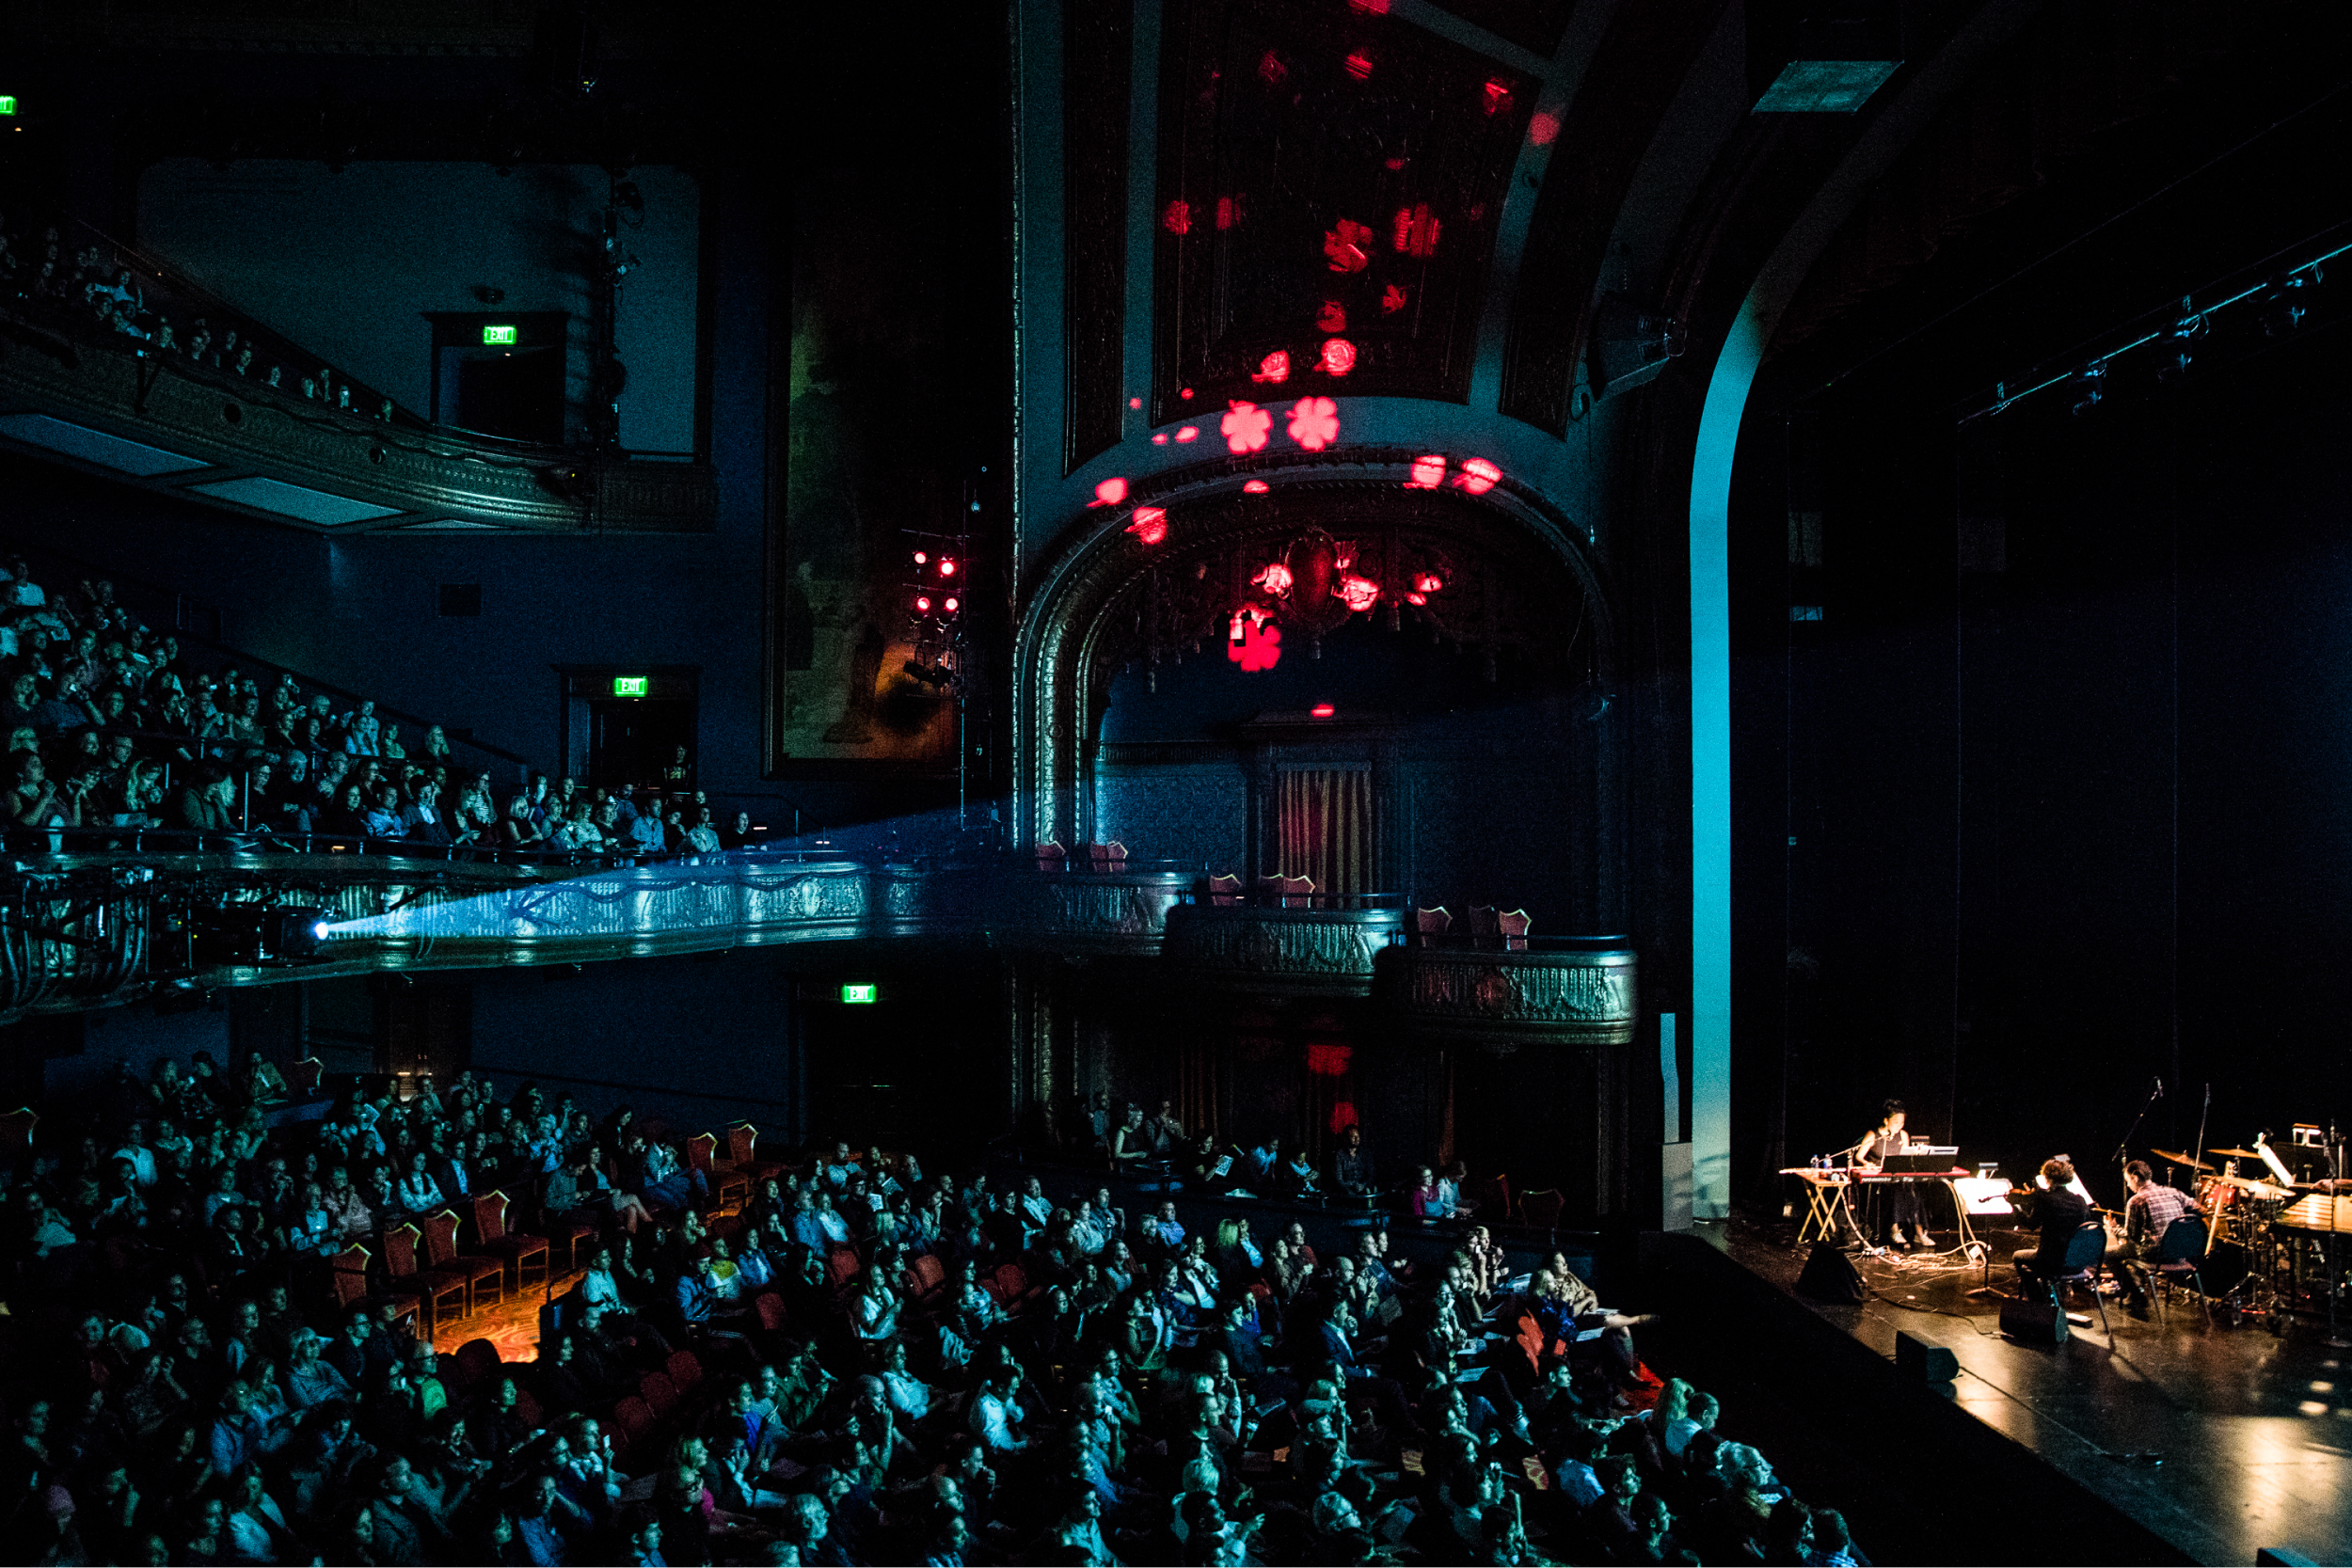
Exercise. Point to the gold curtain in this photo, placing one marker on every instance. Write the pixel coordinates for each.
(1326, 828)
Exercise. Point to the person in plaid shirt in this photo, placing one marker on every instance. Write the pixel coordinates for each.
(2151, 1210)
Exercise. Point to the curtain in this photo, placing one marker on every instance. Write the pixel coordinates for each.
(1326, 829)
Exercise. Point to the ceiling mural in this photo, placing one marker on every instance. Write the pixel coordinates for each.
(1330, 179)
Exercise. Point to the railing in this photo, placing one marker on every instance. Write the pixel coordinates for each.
(1556, 990)
(1277, 943)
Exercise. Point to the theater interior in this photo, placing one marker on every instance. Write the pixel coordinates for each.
(1500, 613)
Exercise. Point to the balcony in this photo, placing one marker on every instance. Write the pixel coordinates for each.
(1541, 990)
(1292, 946)
(1121, 913)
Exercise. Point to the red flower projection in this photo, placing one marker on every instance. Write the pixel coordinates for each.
(1189, 433)
(1109, 493)
(1329, 1061)
(1479, 476)
(1343, 1114)
(1272, 70)
(1348, 245)
(1339, 356)
(1498, 96)
(1259, 648)
(1429, 472)
(1275, 579)
(1358, 594)
(1543, 128)
(1254, 487)
(1245, 427)
(1315, 424)
(1332, 318)
(1360, 66)
(1160, 440)
(1393, 301)
(1151, 525)
(1273, 367)
(1177, 219)
(1227, 211)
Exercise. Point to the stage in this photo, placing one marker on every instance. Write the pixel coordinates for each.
(2212, 1442)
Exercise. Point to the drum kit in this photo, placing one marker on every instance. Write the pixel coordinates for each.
(2263, 1233)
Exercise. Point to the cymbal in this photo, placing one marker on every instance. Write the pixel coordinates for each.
(2238, 1153)
(2180, 1159)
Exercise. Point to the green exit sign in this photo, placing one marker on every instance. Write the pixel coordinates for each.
(629, 686)
(858, 993)
(7, 104)
(497, 335)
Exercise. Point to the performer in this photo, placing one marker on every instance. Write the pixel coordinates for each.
(1894, 1206)
(2058, 1211)
(2150, 1211)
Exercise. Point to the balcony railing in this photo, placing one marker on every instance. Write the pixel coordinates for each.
(1278, 944)
(1556, 990)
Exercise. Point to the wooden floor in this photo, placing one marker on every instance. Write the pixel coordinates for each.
(2220, 1439)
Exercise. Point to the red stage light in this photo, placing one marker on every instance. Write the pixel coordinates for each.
(1160, 440)
(1416, 230)
(1260, 647)
(1151, 525)
(1273, 367)
(1110, 492)
(1254, 487)
(950, 607)
(1479, 476)
(920, 557)
(1498, 96)
(1543, 128)
(1360, 66)
(1392, 300)
(922, 604)
(1321, 710)
(1332, 317)
(1339, 356)
(1329, 1061)
(1185, 395)
(946, 567)
(1346, 245)
(1177, 219)
(1429, 472)
(1245, 427)
(1135, 402)
(1358, 594)
(1189, 433)
(1314, 423)
(1275, 579)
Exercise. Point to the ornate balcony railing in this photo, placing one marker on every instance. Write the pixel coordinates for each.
(1546, 990)
(1276, 946)
(1090, 912)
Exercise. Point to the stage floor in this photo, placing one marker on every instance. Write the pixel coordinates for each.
(2220, 1439)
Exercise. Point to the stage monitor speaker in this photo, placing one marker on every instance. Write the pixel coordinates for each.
(1920, 1362)
(1828, 1275)
(2033, 1322)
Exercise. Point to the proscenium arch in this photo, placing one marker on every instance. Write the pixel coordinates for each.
(1731, 377)
(1065, 610)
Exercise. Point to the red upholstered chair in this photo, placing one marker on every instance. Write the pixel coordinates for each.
(437, 1289)
(16, 1132)
(1298, 893)
(480, 1275)
(1482, 922)
(702, 1152)
(685, 1370)
(633, 1419)
(771, 1310)
(743, 1155)
(1225, 888)
(1493, 1197)
(1512, 925)
(1429, 925)
(492, 1240)
(526, 1409)
(349, 1276)
(659, 1394)
(1108, 857)
(1051, 856)
(841, 1266)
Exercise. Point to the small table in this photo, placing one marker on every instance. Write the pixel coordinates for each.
(1825, 1197)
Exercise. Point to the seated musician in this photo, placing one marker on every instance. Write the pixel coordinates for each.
(2058, 1211)
(2150, 1211)
(1897, 1208)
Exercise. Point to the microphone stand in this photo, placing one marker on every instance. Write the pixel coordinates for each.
(2335, 1171)
(2123, 1149)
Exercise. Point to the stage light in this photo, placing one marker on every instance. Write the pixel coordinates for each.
(2090, 386)
(947, 567)
(1321, 710)
(2284, 308)
(952, 607)
(922, 604)
(922, 558)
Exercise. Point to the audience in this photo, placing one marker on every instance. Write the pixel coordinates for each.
(112, 728)
(853, 1362)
